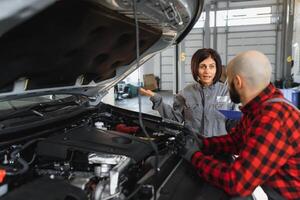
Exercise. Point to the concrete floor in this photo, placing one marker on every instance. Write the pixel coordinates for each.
(146, 104)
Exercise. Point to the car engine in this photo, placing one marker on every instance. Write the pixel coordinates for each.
(90, 159)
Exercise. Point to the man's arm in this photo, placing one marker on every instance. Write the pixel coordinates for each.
(230, 143)
(266, 150)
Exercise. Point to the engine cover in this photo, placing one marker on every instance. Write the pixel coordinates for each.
(94, 140)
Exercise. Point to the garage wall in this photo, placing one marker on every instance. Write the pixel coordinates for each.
(230, 41)
(262, 38)
(167, 68)
(190, 45)
(236, 4)
(296, 43)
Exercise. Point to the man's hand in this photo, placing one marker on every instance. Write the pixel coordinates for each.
(187, 146)
(148, 93)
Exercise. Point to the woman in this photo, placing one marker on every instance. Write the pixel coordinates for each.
(196, 105)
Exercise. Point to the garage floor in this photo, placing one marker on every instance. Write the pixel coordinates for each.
(132, 103)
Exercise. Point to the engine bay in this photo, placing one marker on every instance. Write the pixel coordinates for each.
(101, 155)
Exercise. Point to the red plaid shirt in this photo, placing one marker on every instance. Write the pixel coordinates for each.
(267, 140)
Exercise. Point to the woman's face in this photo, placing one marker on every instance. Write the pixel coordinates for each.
(207, 71)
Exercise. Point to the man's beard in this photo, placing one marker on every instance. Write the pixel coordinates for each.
(234, 95)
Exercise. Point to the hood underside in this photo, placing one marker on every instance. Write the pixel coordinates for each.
(73, 44)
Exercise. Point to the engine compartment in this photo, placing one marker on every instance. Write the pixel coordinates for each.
(92, 139)
(102, 155)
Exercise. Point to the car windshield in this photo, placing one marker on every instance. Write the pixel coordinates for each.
(23, 102)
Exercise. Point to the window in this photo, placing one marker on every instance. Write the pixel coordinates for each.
(249, 16)
(200, 23)
(238, 17)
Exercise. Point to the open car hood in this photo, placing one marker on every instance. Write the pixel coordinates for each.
(83, 46)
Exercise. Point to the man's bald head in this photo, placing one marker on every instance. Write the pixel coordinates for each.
(254, 67)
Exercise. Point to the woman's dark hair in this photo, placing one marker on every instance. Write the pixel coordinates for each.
(201, 55)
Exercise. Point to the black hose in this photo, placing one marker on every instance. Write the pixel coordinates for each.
(154, 147)
(24, 164)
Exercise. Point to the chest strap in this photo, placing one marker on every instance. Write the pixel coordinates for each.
(282, 100)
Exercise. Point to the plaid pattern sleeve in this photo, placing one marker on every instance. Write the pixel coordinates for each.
(270, 154)
(230, 143)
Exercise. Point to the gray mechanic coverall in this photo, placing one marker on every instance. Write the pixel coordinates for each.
(197, 106)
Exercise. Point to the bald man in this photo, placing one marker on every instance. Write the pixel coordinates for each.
(267, 139)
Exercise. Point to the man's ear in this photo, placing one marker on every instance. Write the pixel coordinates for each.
(238, 81)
